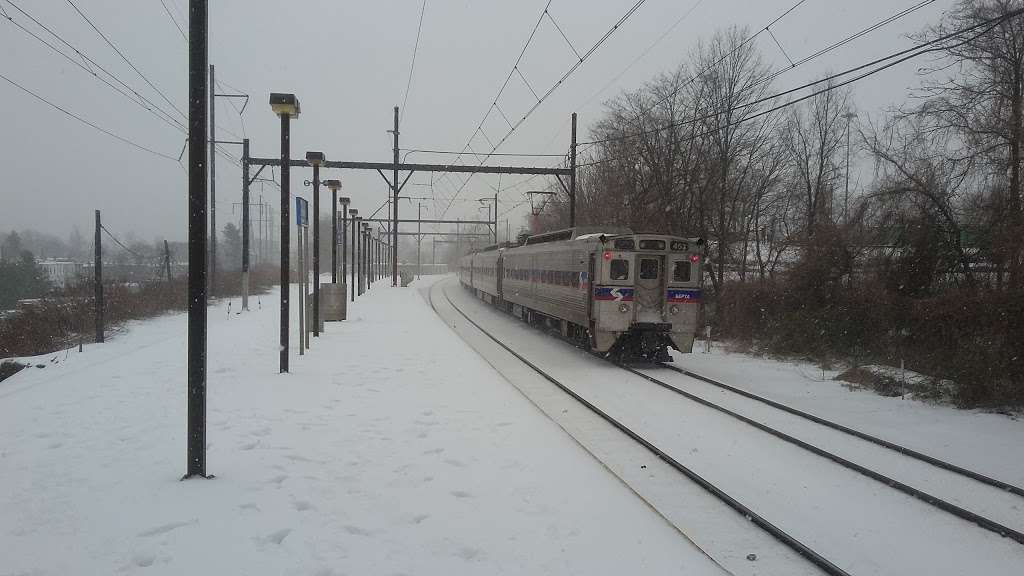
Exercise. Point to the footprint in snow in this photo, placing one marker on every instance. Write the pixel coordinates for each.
(278, 537)
(278, 479)
(460, 494)
(302, 505)
(433, 451)
(454, 462)
(163, 529)
(357, 531)
(419, 518)
(144, 560)
(469, 553)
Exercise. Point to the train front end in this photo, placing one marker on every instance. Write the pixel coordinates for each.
(646, 295)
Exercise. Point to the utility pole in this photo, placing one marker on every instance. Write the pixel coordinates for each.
(572, 175)
(245, 224)
(198, 58)
(419, 239)
(97, 280)
(355, 226)
(394, 227)
(213, 187)
(495, 217)
(316, 158)
(846, 198)
(167, 260)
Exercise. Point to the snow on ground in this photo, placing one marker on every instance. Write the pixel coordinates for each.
(989, 443)
(391, 448)
(862, 525)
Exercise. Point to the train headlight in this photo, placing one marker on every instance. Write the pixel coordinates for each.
(623, 308)
(673, 309)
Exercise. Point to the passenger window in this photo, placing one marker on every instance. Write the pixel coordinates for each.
(681, 271)
(649, 268)
(620, 269)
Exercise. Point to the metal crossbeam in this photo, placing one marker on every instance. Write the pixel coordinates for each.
(485, 222)
(297, 163)
(476, 234)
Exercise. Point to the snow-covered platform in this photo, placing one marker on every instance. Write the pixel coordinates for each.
(390, 448)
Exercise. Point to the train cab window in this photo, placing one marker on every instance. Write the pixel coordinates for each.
(681, 271)
(652, 244)
(619, 269)
(649, 268)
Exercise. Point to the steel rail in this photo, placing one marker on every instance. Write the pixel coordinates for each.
(802, 549)
(853, 432)
(939, 503)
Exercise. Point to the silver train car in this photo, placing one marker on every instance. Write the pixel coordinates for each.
(629, 295)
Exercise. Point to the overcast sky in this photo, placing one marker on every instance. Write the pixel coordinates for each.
(349, 62)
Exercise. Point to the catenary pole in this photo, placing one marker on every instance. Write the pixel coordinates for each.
(394, 226)
(572, 176)
(198, 58)
(97, 280)
(245, 224)
(213, 186)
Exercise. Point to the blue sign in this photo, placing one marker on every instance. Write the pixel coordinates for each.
(301, 212)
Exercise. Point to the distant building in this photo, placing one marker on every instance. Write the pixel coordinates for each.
(60, 272)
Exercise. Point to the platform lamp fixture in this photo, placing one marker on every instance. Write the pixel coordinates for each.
(334, 186)
(286, 106)
(315, 159)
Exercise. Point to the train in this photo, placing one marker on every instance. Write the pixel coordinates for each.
(622, 294)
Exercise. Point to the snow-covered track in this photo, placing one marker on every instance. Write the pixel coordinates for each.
(791, 542)
(910, 453)
(926, 497)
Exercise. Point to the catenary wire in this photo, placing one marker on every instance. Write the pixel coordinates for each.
(86, 122)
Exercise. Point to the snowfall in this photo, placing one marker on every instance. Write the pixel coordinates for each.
(402, 442)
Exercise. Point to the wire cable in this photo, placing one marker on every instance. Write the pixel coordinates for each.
(897, 58)
(553, 87)
(86, 122)
(125, 58)
(798, 88)
(415, 49)
(176, 25)
(147, 103)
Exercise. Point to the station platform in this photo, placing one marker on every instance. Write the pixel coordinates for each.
(391, 447)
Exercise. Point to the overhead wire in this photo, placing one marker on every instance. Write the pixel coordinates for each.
(173, 20)
(415, 50)
(146, 102)
(125, 58)
(636, 6)
(899, 55)
(87, 122)
(883, 63)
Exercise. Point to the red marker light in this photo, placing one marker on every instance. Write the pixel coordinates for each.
(694, 258)
(607, 255)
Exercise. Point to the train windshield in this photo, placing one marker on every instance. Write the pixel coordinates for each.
(681, 271)
(619, 269)
(649, 268)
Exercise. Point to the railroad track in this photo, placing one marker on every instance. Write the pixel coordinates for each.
(853, 432)
(774, 531)
(926, 497)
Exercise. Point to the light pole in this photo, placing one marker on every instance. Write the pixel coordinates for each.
(316, 159)
(287, 107)
(419, 239)
(355, 226)
(197, 206)
(846, 198)
(334, 185)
